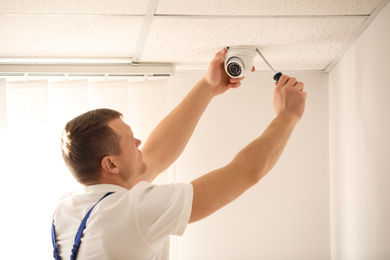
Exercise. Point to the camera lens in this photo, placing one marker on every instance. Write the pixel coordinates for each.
(234, 69)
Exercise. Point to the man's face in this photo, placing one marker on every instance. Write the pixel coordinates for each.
(130, 160)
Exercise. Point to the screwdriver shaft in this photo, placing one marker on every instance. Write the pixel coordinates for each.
(277, 75)
(269, 65)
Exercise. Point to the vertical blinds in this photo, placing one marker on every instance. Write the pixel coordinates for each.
(33, 176)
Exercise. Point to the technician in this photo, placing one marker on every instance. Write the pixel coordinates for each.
(119, 214)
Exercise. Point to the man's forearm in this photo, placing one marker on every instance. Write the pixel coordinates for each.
(170, 137)
(260, 156)
(220, 187)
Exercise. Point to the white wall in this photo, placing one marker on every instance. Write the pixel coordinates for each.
(359, 147)
(286, 216)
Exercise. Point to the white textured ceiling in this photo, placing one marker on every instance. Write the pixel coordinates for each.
(292, 34)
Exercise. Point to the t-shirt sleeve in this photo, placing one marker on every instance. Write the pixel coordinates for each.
(162, 210)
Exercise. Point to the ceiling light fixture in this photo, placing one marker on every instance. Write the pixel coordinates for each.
(81, 67)
(73, 61)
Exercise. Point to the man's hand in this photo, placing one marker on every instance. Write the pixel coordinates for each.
(289, 98)
(217, 78)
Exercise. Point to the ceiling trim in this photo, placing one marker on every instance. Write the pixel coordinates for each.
(357, 34)
(143, 34)
(148, 17)
(71, 15)
(259, 16)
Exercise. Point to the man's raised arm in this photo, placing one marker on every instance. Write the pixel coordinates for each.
(168, 140)
(218, 188)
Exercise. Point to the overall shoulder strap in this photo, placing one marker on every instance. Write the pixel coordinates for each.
(53, 240)
(79, 234)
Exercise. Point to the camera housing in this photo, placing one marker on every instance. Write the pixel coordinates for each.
(239, 60)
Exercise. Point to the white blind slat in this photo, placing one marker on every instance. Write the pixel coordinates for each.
(109, 94)
(27, 106)
(3, 106)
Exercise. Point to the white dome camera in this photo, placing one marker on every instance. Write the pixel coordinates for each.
(239, 60)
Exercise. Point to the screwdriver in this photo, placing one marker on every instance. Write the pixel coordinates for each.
(277, 74)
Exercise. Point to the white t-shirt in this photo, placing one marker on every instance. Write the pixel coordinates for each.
(129, 224)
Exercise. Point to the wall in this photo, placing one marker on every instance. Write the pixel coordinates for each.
(286, 216)
(359, 145)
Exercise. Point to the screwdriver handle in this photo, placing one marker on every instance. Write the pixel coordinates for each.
(277, 76)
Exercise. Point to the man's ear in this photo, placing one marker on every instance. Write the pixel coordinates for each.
(109, 165)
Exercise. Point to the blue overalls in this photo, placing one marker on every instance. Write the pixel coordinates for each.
(79, 234)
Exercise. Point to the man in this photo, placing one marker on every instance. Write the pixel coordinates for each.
(131, 217)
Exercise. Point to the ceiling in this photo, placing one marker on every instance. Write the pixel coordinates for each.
(291, 34)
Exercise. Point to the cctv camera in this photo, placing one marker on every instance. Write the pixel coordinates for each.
(239, 60)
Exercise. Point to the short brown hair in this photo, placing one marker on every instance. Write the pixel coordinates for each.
(85, 140)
